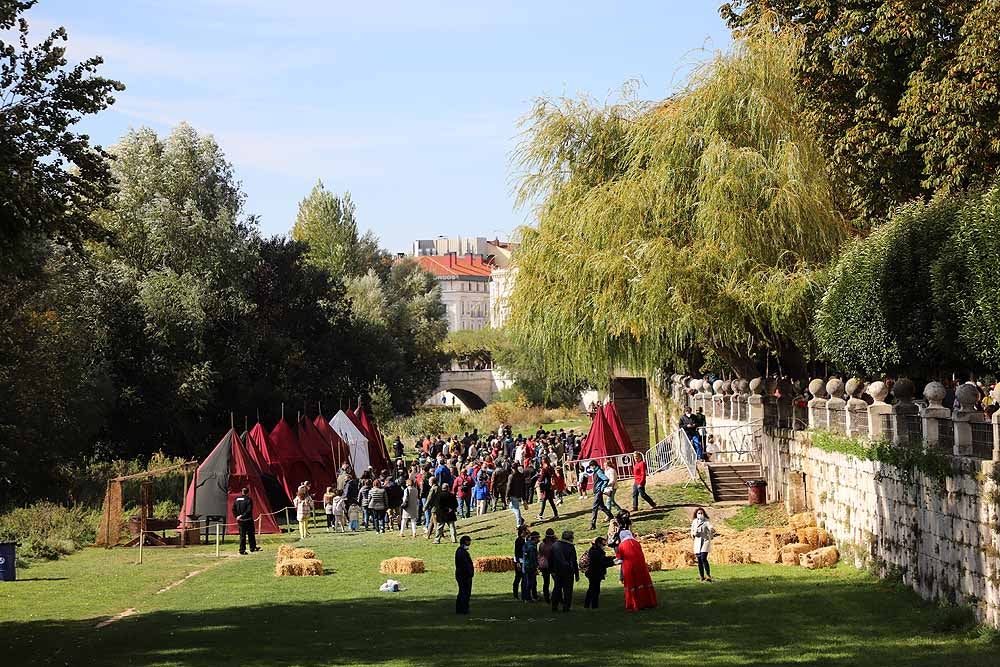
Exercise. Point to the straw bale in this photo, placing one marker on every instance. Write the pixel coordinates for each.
(402, 565)
(790, 553)
(286, 551)
(654, 564)
(802, 520)
(672, 557)
(814, 537)
(825, 557)
(724, 556)
(298, 567)
(493, 564)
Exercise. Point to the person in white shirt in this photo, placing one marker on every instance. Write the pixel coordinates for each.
(612, 485)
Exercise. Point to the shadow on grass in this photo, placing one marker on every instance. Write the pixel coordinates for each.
(749, 620)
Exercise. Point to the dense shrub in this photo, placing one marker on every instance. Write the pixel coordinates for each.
(45, 531)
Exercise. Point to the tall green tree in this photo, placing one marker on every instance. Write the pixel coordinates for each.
(51, 177)
(905, 97)
(328, 223)
(699, 222)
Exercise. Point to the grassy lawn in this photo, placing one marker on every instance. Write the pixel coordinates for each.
(238, 613)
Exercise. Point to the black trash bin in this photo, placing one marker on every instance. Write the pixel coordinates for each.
(8, 561)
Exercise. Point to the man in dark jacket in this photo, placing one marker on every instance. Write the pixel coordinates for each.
(397, 448)
(464, 572)
(515, 491)
(597, 569)
(445, 513)
(565, 571)
(499, 486)
(243, 513)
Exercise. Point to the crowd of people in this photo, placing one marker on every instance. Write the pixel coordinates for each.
(446, 479)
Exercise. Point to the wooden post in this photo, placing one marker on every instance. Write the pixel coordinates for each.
(142, 538)
(287, 525)
(183, 513)
(217, 526)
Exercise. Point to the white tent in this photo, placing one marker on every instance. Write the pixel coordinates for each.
(356, 441)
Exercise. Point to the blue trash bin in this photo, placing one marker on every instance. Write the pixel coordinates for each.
(8, 561)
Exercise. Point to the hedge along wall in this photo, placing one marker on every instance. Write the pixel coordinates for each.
(942, 538)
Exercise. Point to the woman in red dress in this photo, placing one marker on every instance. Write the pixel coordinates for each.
(639, 591)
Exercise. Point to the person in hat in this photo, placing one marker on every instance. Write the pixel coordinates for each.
(565, 571)
(597, 569)
(464, 572)
(243, 513)
(545, 561)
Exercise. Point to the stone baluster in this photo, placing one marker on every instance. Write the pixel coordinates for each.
(785, 402)
(934, 392)
(817, 404)
(904, 410)
(727, 399)
(964, 417)
(857, 408)
(717, 410)
(836, 406)
(996, 424)
(755, 402)
(878, 391)
(741, 392)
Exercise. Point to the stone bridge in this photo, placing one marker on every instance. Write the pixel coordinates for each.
(470, 390)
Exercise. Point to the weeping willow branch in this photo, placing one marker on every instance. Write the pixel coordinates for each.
(705, 220)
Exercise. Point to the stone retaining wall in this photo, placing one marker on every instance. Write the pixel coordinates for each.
(942, 542)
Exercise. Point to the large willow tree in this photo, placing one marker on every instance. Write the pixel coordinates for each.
(695, 227)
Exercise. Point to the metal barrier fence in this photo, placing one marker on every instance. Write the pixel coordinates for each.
(946, 434)
(982, 440)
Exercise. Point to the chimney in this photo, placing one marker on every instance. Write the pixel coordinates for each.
(451, 259)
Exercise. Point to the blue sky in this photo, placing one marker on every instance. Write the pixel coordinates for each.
(411, 106)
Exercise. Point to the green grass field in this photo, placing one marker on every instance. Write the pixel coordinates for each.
(238, 613)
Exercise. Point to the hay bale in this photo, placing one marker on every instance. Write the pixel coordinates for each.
(814, 537)
(724, 556)
(779, 539)
(298, 567)
(790, 553)
(402, 565)
(802, 520)
(654, 564)
(672, 557)
(493, 564)
(825, 557)
(288, 551)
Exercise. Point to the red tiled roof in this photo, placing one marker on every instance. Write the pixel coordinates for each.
(450, 265)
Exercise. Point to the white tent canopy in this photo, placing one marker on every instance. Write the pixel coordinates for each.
(356, 441)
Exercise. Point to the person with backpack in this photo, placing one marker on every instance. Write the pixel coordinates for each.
(515, 491)
(445, 513)
(529, 563)
(430, 506)
(600, 482)
(595, 569)
(481, 494)
(547, 491)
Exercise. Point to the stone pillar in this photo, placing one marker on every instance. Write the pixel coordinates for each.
(967, 395)
(996, 424)
(817, 405)
(836, 406)
(878, 391)
(741, 390)
(785, 403)
(904, 412)
(934, 392)
(857, 409)
(755, 402)
(727, 399)
(717, 410)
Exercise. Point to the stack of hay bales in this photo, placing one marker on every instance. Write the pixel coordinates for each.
(493, 564)
(293, 562)
(654, 564)
(402, 565)
(811, 544)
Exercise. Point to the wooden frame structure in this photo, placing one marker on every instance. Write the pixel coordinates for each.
(108, 533)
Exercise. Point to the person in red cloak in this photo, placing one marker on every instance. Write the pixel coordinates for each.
(639, 591)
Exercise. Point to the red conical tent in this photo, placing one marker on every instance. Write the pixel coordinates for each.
(220, 478)
(618, 428)
(318, 454)
(338, 447)
(257, 443)
(600, 441)
(293, 467)
(377, 453)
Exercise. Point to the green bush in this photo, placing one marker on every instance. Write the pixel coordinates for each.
(908, 460)
(45, 531)
(167, 509)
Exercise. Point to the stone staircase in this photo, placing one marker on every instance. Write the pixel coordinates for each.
(729, 480)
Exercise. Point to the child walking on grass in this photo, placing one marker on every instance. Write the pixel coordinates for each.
(303, 510)
(339, 511)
